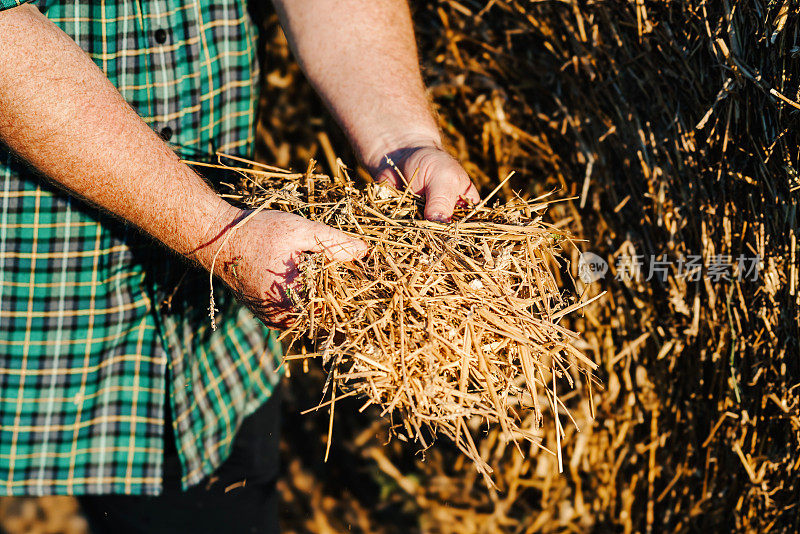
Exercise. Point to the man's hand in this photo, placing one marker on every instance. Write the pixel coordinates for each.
(360, 54)
(59, 111)
(361, 57)
(431, 172)
(260, 259)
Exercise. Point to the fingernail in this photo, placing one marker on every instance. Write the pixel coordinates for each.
(439, 217)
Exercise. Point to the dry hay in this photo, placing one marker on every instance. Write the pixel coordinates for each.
(674, 123)
(447, 328)
(605, 100)
(41, 515)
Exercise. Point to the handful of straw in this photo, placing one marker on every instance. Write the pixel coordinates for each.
(445, 327)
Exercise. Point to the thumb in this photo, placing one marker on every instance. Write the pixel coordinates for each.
(387, 175)
(336, 245)
(440, 199)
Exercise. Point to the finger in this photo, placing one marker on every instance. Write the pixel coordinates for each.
(278, 315)
(472, 194)
(336, 245)
(389, 176)
(441, 198)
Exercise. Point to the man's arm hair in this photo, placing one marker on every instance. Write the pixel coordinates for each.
(59, 112)
(361, 57)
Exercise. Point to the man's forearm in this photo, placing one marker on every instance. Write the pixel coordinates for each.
(361, 57)
(60, 113)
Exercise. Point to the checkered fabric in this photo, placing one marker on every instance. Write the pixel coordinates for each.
(96, 318)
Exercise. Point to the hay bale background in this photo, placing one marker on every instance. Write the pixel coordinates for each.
(547, 88)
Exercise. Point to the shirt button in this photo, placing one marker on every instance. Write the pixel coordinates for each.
(166, 133)
(160, 35)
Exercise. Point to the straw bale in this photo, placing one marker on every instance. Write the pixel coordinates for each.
(674, 124)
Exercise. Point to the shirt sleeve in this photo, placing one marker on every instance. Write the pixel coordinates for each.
(8, 4)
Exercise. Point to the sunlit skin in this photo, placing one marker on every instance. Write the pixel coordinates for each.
(60, 113)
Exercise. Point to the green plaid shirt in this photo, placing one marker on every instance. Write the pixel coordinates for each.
(95, 318)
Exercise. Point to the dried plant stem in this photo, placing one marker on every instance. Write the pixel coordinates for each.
(446, 328)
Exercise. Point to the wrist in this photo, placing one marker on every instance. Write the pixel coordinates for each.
(397, 145)
(215, 241)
